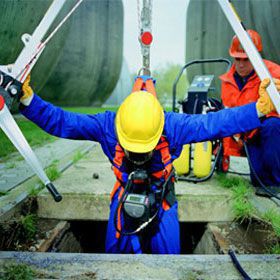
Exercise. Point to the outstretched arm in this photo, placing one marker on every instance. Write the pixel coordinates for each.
(185, 128)
(65, 124)
(197, 128)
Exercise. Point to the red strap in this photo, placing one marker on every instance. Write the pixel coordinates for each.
(139, 84)
(151, 87)
(165, 205)
(2, 102)
(115, 188)
(119, 224)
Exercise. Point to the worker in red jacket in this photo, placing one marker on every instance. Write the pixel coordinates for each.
(239, 87)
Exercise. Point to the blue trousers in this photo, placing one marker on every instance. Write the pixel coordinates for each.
(166, 240)
(264, 152)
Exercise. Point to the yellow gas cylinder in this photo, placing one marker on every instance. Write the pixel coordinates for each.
(202, 159)
(182, 163)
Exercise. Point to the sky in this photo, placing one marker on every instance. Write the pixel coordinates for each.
(168, 29)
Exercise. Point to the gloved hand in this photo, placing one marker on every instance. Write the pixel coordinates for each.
(264, 103)
(27, 92)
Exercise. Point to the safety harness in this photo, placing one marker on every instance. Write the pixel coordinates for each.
(158, 178)
(146, 83)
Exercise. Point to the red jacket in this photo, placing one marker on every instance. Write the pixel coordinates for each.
(232, 97)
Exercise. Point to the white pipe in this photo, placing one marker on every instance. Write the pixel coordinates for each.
(11, 129)
(250, 50)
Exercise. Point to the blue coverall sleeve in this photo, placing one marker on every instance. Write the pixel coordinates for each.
(69, 125)
(184, 128)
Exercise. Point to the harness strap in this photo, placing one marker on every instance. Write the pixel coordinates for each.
(119, 224)
(122, 177)
(147, 84)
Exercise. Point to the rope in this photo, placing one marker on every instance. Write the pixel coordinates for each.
(144, 16)
(43, 44)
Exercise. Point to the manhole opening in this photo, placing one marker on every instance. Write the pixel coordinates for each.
(89, 237)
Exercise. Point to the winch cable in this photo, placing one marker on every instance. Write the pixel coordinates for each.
(21, 76)
(262, 185)
(19, 71)
(145, 34)
(121, 200)
(250, 49)
(238, 265)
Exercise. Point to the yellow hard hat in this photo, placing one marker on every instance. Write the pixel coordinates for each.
(139, 122)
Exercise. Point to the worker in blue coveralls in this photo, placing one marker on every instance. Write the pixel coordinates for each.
(141, 141)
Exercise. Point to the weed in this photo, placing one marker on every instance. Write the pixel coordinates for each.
(34, 135)
(273, 218)
(52, 171)
(229, 182)
(275, 249)
(77, 157)
(3, 193)
(28, 223)
(242, 208)
(10, 165)
(34, 190)
(18, 272)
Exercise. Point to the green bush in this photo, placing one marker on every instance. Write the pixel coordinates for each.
(18, 272)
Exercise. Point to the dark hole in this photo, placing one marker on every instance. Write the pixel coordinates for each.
(90, 237)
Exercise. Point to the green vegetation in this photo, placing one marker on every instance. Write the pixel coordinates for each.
(52, 171)
(28, 224)
(90, 110)
(3, 193)
(78, 155)
(273, 218)
(35, 188)
(242, 208)
(229, 182)
(10, 165)
(18, 272)
(34, 135)
(275, 249)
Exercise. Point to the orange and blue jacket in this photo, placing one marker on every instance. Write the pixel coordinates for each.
(232, 97)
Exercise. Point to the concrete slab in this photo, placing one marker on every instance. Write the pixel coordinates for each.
(11, 202)
(251, 238)
(173, 267)
(86, 198)
(15, 171)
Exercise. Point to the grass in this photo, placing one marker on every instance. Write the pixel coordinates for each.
(273, 218)
(242, 208)
(90, 110)
(34, 190)
(33, 134)
(52, 171)
(28, 224)
(275, 249)
(18, 272)
(78, 155)
(3, 193)
(10, 165)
